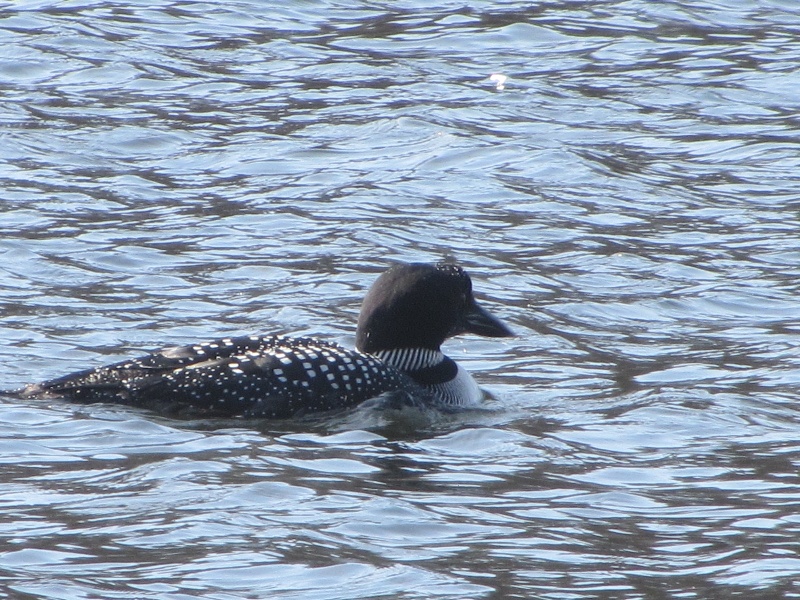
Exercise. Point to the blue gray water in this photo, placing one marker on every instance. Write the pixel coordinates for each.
(627, 199)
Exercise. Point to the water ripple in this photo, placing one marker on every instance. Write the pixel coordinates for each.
(627, 199)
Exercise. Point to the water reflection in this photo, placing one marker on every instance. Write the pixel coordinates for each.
(178, 171)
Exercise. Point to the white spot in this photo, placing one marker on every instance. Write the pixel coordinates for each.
(499, 81)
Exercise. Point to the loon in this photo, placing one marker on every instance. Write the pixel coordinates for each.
(405, 317)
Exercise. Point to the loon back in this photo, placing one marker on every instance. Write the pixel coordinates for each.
(257, 377)
(407, 314)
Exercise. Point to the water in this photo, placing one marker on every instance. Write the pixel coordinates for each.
(628, 201)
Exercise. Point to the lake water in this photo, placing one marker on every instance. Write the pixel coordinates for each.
(627, 199)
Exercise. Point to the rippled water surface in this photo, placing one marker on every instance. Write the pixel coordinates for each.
(627, 199)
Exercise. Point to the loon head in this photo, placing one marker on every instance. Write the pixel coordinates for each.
(420, 306)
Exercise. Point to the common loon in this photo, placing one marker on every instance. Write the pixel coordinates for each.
(406, 315)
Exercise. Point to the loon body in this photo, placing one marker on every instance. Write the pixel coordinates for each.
(407, 314)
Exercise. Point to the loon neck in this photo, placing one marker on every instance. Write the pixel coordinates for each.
(425, 366)
(411, 359)
(436, 372)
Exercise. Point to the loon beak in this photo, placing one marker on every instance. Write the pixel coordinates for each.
(479, 321)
